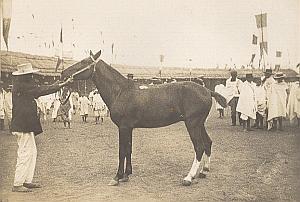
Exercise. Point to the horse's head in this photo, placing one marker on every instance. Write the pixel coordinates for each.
(80, 70)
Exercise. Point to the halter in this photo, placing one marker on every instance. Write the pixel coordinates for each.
(93, 65)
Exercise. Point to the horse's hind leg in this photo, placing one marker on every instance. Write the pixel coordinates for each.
(207, 150)
(194, 129)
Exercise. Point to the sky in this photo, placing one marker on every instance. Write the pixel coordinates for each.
(189, 33)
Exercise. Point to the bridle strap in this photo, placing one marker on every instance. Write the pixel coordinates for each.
(93, 65)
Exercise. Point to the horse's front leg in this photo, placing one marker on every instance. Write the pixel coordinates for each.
(128, 169)
(124, 134)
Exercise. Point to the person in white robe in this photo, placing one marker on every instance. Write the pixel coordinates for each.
(261, 104)
(267, 81)
(75, 97)
(56, 105)
(293, 106)
(8, 105)
(84, 107)
(220, 88)
(232, 88)
(2, 112)
(247, 103)
(98, 108)
(277, 102)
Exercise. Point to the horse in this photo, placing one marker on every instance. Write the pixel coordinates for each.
(157, 106)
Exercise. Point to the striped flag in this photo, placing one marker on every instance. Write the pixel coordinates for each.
(261, 20)
(263, 47)
(252, 59)
(6, 7)
(254, 39)
(60, 56)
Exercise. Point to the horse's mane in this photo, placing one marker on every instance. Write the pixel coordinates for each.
(115, 75)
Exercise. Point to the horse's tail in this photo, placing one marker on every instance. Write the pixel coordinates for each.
(219, 98)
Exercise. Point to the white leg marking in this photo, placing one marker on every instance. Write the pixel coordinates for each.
(193, 171)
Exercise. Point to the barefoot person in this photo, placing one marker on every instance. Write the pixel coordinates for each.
(246, 103)
(26, 124)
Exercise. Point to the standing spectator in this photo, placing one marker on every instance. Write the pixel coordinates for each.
(277, 102)
(98, 107)
(267, 81)
(84, 107)
(8, 105)
(293, 107)
(232, 86)
(56, 104)
(65, 108)
(246, 103)
(260, 97)
(220, 88)
(2, 114)
(26, 124)
(75, 97)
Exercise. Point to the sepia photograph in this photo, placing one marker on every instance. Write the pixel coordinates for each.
(149, 100)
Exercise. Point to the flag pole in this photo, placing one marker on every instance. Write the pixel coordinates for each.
(1, 17)
(262, 40)
(62, 50)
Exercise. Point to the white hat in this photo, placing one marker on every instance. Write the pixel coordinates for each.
(25, 69)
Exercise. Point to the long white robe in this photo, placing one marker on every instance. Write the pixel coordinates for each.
(8, 105)
(232, 88)
(260, 97)
(293, 106)
(277, 100)
(84, 105)
(221, 90)
(2, 114)
(98, 105)
(247, 104)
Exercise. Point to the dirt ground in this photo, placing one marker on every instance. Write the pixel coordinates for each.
(77, 164)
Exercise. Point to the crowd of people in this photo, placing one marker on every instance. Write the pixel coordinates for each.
(67, 102)
(266, 101)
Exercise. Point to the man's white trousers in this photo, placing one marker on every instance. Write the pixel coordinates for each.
(26, 160)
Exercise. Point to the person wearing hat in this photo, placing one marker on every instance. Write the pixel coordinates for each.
(277, 102)
(25, 124)
(232, 87)
(246, 103)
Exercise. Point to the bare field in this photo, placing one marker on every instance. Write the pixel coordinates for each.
(76, 164)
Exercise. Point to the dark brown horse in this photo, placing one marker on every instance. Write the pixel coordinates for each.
(157, 106)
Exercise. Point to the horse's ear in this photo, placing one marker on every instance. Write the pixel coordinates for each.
(97, 55)
(91, 53)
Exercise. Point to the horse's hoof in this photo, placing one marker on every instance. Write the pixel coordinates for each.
(113, 182)
(124, 179)
(202, 175)
(206, 169)
(186, 183)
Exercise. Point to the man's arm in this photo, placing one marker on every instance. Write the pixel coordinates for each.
(47, 89)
